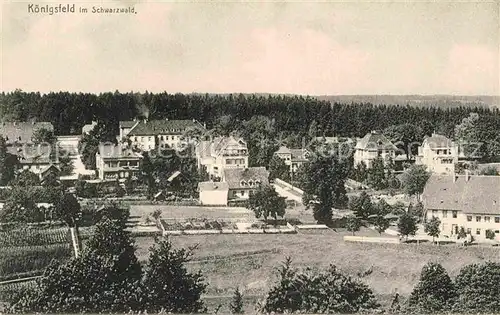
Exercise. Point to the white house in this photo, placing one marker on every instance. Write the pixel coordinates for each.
(117, 162)
(150, 134)
(242, 182)
(213, 193)
(468, 201)
(222, 153)
(294, 158)
(439, 154)
(371, 146)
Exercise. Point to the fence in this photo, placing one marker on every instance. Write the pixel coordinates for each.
(365, 239)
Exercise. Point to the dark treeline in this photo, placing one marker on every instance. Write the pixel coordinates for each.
(68, 112)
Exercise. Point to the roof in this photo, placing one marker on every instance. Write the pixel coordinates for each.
(22, 131)
(235, 177)
(33, 154)
(283, 150)
(299, 154)
(212, 148)
(375, 141)
(116, 152)
(480, 194)
(128, 123)
(211, 186)
(437, 141)
(157, 127)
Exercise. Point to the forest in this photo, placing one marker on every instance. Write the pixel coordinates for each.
(68, 112)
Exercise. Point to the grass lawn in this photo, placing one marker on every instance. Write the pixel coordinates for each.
(248, 261)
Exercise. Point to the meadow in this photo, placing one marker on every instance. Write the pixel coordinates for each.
(249, 261)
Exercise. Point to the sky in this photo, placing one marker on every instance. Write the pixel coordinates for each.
(316, 48)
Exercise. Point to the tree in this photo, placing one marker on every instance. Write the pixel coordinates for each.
(490, 234)
(490, 171)
(327, 291)
(352, 224)
(404, 136)
(26, 179)
(167, 283)
(432, 227)
(20, 207)
(266, 202)
(7, 164)
(51, 180)
(376, 174)
(67, 209)
(66, 165)
(382, 208)
(361, 205)
(414, 180)
(313, 130)
(477, 287)
(361, 172)
(407, 225)
(104, 278)
(236, 305)
(381, 224)
(417, 210)
(43, 136)
(434, 292)
(323, 181)
(278, 169)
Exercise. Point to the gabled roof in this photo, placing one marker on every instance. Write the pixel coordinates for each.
(283, 150)
(220, 143)
(235, 176)
(22, 132)
(375, 141)
(437, 141)
(299, 154)
(117, 151)
(212, 186)
(479, 194)
(127, 123)
(157, 127)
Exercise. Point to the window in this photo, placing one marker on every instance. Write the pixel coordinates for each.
(478, 231)
(497, 219)
(242, 193)
(497, 231)
(454, 214)
(228, 161)
(486, 219)
(445, 214)
(469, 218)
(478, 218)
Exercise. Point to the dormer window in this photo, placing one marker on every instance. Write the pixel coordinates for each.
(250, 183)
(243, 183)
(257, 182)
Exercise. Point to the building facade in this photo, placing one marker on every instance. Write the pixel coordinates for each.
(464, 201)
(220, 154)
(117, 162)
(439, 154)
(150, 134)
(243, 182)
(294, 158)
(372, 146)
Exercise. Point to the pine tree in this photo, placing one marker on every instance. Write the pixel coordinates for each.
(236, 305)
(434, 292)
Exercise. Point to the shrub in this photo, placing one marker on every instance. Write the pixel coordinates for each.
(434, 292)
(490, 234)
(478, 288)
(328, 291)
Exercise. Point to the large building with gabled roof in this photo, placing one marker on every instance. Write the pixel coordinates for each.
(222, 153)
(150, 134)
(293, 158)
(468, 201)
(371, 146)
(439, 154)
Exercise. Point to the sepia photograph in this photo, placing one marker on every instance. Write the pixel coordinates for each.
(250, 157)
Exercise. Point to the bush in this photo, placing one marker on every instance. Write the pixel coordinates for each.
(236, 305)
(318, 292)
(434, 292)
(478, 288)
(490, 234)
